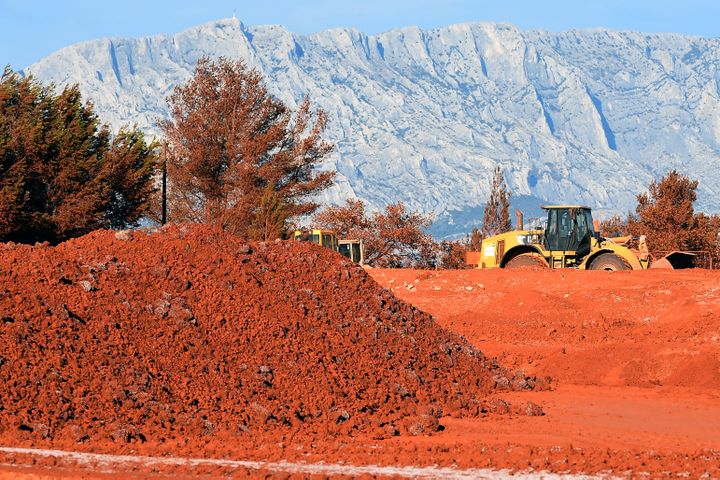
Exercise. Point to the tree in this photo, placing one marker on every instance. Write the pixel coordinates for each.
(665, 215)
(474, 242)
(393, 238)
(614, 226)
(61, 172)
(269, 221)
(452, 254)
(496, 217)
(349, 221)
(230, 141)
(130, 167)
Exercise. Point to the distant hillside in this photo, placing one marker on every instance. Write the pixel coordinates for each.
(423, 116)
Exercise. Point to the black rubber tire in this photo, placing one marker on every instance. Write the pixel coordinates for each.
(609, 262)
(526, 260)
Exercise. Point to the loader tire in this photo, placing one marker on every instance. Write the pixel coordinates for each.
(609, 262)
(526, 261)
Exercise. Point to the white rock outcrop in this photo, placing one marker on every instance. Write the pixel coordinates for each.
(423, 116)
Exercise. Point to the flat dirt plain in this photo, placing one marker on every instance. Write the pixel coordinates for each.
(611, 374)
(634, 358)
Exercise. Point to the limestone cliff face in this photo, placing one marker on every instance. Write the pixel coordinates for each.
(423, 116)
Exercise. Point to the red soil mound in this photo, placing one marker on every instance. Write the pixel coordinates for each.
(188, 334)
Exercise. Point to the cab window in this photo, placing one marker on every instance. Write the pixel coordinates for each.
(565, 224)
(551, 232)
(589, 221)
(582, 226)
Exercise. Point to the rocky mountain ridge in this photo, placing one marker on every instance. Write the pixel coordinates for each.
(423, 116)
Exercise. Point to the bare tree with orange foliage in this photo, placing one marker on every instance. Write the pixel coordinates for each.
(614, 226)
(665, 214)
(393, 238)
(452, 254)
(233, 149)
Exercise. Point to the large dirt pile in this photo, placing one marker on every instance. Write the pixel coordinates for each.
(188, 333)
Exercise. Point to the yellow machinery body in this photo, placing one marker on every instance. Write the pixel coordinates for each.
(350, 248)
(568, 241)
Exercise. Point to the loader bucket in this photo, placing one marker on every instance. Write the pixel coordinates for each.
(675, 261)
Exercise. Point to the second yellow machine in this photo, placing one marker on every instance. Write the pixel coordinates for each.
(350, 248)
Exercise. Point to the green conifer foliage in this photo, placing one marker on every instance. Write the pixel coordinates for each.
(62, 174)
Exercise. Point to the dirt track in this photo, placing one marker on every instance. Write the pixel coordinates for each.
(634, 359)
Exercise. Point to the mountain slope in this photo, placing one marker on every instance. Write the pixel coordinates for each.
(423, 116)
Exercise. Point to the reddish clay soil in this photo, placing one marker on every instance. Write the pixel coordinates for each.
(634, 359)
(634, 356)
(187, 338)
(653, 329)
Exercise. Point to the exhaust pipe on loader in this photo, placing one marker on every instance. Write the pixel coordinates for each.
(519, 217)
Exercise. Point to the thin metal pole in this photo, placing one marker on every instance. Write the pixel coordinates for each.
(163, 221)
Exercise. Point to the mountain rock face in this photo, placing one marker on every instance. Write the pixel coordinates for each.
(423, 116)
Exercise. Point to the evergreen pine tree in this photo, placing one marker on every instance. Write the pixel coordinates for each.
(61, 173)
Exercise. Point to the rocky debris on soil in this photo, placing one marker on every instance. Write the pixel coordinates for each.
(499, 406)
(533, 410)
(188, 333)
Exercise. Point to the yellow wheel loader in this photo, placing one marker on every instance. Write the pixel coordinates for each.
(569, 240)
(350, 248)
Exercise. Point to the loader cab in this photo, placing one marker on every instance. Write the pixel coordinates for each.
(352, 249)
(324, 238)
(569, 229)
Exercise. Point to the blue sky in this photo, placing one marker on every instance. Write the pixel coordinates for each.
(31, 29)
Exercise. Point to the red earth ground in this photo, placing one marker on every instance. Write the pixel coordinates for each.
(188, 338)
(634, 359)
